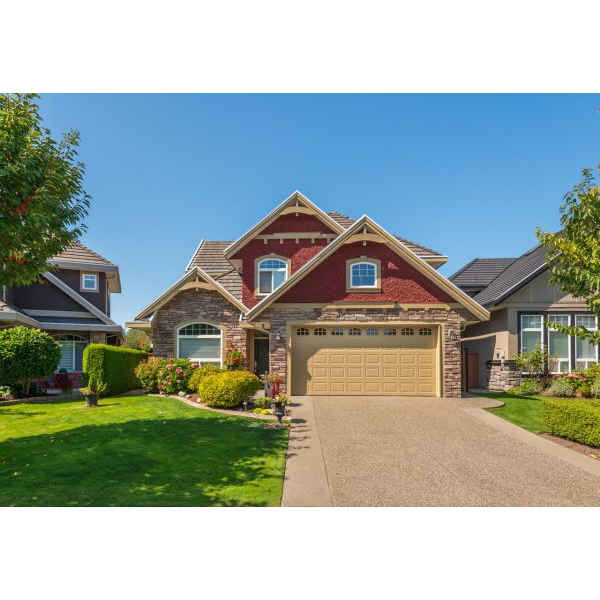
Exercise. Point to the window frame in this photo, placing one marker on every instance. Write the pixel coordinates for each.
(549, 318)
(529, 329)
(200, 361)
(96, 277)
(258, 270)
(374, 262)
(75, 339)
(587, 361)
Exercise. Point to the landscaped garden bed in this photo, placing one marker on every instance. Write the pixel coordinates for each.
(136, 451)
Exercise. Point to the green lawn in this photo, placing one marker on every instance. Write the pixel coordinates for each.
(136, 451)
(520, 410)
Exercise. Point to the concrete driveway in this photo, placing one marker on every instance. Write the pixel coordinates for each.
(392, 451)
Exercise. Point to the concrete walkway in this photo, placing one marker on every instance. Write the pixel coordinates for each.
(391, 451)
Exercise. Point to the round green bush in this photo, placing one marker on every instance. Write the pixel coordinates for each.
(561, 388)
(529, 387)
(229, 389)
(263, 402)
(595, 388)
(26, 354)
(200, 373)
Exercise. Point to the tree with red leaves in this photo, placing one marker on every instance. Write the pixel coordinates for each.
(42, 201)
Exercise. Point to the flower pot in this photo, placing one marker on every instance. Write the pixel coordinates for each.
(91, 399)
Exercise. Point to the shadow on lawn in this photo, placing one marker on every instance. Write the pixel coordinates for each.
(171, 462)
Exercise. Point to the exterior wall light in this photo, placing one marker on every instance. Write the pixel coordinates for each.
(452, 335)
(278, 336)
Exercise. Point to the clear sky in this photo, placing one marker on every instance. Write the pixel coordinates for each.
(468, 175)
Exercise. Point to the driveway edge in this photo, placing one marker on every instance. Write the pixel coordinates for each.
(535, 441)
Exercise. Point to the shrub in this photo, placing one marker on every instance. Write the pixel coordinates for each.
(26, 354)
(234, 358)
(264, 402)
(200, 373)
(529, 387)
(562, 388)
(577, 420)
(5, 391)
(229, 389)
(112, 366)
(595, 388)
(61, 380)
(167, 375)
(535, 362)
(257, 411)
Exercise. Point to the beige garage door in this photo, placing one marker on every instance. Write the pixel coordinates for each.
(387, 361)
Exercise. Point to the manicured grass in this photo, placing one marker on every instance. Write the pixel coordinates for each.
(521, 410)
(136, 451)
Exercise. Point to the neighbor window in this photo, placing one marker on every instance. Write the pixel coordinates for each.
(363, 275)
(200, 342)
(559, 345)
(272, 272)
(89, 282)
(531, 332)
(585, 352)
(71, 352)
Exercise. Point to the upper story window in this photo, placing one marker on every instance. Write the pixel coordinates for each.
(363, 274)
(271, 273)
(89, 282)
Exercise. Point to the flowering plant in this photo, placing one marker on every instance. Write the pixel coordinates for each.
(62, 381)
(282, 399)
(274, 383)
(165, 375)
(234, 358)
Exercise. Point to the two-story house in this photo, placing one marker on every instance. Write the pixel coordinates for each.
(335, 306)
(72, 303)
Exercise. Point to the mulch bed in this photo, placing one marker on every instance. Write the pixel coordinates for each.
(582, 448)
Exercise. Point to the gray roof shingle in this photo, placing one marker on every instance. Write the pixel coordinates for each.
(517, 274)
(480, 272)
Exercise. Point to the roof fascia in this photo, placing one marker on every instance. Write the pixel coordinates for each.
(517, 286)
(73, 294)
(71, 265)
(404, 251)
(189, 265)
(174, 289)
(241, 241)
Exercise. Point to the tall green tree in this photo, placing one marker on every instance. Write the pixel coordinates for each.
(138, 340)
(42, 200)
(574, 253)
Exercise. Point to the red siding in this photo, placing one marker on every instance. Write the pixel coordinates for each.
(400, 281)
(298, 253)
(300, 223)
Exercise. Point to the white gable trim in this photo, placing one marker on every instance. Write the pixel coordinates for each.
(241, 241)
(414, 260)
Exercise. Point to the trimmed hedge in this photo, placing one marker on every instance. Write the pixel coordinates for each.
(229, 389)
(577, 420)
(113, 366)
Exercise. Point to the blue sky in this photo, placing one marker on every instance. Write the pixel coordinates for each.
(468, 175)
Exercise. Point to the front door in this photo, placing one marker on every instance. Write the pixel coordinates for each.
(261, 356)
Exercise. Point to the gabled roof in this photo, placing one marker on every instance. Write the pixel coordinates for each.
(195, 277)
(520, 272)
(480, 272)
(362, 224)
(296, 199)
(77, 252)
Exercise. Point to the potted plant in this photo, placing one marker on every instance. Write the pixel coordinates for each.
(92, 392)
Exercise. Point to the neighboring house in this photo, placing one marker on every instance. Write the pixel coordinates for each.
(72, 303)
(334, 306)
(522, 304)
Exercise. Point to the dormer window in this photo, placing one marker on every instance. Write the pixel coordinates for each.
(271, 273)
(89, 282)
(363, 274)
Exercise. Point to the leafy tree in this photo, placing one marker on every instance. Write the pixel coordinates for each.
(138, 340)
(533, 362)
(574, 252)
(42, 201)
(26, 354)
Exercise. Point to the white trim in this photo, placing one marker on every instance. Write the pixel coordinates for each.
(178, 337)
(595, 328)
(550, 318)
(329, 221)
(412, 258)
(530, 329)
(13, 316)
(82, 282)
(174, 289)
(189, 265)
(58, 313)
(360, 287)
(80, 327)
(73, 294)
(271, 270)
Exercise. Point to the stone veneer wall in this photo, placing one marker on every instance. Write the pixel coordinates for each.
(502, 375)
(195, 305)
(280, 315)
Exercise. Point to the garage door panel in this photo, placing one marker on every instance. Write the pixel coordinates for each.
(361, 364)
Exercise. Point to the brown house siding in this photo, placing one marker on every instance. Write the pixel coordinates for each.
(196, 305)
(73, 280)
(39, 296)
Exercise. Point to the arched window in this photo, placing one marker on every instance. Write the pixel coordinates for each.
(320, 331)
(363, 275)
(302, 331)
(71, 348)
(354, 331)
(272, 272)
(389, 331)
(200, 342)
(425, 331)
(407, 331)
